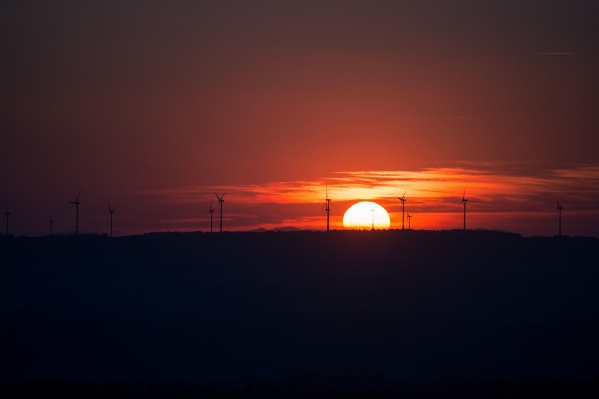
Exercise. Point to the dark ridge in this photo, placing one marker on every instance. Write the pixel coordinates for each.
(547, 388)
(414, 306)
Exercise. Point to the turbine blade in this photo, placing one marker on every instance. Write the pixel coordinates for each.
(404, 194)
(79, 194)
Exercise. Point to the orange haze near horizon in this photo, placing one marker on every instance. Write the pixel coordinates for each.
(497, 200)
(518, 203)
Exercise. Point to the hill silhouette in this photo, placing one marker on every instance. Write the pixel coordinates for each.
(415, 306)
(263, 230)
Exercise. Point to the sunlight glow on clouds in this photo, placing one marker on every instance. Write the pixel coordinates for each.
(497, 199)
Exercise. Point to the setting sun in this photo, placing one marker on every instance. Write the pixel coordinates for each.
(366, 215)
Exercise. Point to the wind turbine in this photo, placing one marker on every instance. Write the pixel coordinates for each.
(210, 212)
(76, 202)
(559, 211)
(409, 224)
(464, 200)
(110, 212)
(220, 206)
(327, 205)
(6, 215)
(372, 210)
(51, 222)
(403, 202)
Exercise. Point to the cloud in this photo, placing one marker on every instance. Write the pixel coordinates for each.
(494, 190)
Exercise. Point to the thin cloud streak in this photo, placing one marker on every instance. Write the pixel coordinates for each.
(501, 196)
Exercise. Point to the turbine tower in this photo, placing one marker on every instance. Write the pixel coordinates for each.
(76, 202)
(210, 212)
(6, 215)
(464, 200)
(220, 207)
(559, 211)
(409, 224)
(327, 205)
(110, 212)
(51, 222)
(372, 210)
(403, 202)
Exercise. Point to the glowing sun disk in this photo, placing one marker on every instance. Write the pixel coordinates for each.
(363, 214)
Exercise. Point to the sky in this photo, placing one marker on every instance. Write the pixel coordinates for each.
(156, 105)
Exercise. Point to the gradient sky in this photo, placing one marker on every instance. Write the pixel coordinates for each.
(155, 105)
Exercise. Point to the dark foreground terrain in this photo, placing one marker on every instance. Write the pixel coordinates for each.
(347, 309)
(546, 389)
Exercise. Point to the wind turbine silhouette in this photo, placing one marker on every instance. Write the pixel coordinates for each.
(403, 202)
(327, 205)
(559, 211)
(76, 202)
(464, 200)
(409, 224)
(372, 210)
(220, 206)
(110, 212)
(6, 215)
(51, 222)
(210, 212)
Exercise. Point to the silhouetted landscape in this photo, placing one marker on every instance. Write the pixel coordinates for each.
(299, 199)
(416, 313)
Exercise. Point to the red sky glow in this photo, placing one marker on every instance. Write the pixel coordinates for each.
(496, 200)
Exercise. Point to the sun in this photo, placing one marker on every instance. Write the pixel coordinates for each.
(362, 214)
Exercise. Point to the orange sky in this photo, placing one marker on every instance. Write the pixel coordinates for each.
(154, 105)
(497, 200)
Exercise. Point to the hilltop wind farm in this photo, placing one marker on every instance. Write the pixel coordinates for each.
(412, 199)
